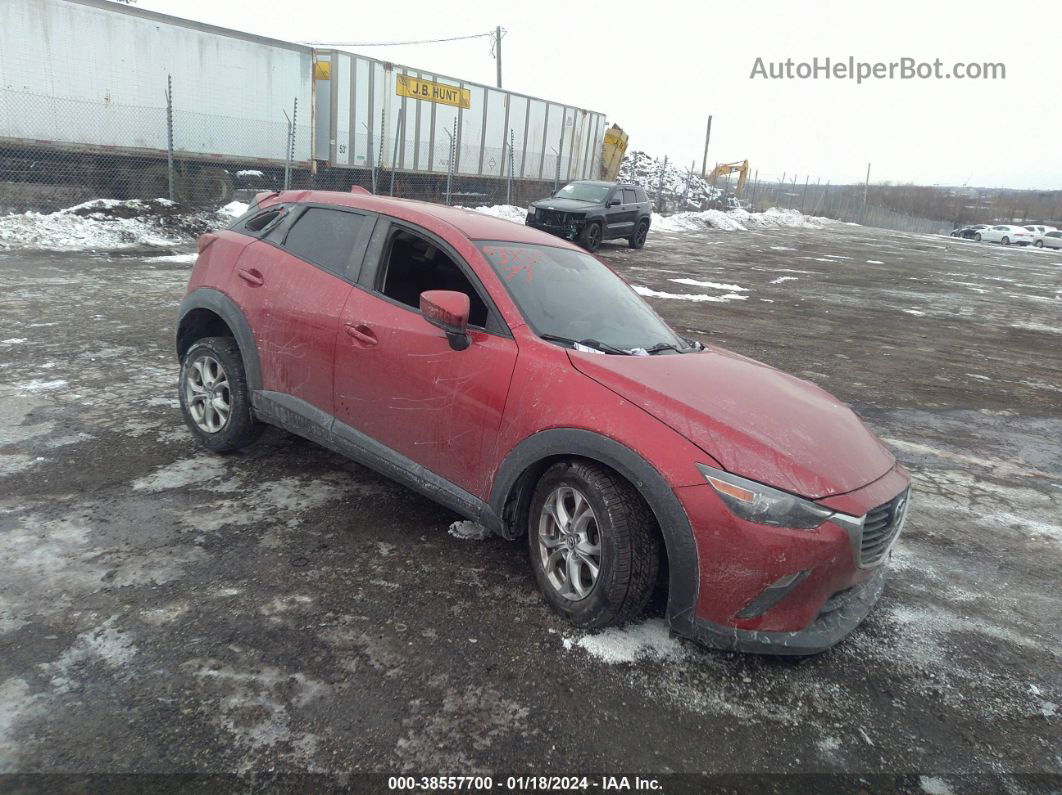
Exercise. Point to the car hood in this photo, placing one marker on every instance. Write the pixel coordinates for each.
(564, 205)
(755, 421)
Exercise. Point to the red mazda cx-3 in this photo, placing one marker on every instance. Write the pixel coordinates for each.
(516, 379)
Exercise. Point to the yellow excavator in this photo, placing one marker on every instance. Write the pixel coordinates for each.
(722, 169)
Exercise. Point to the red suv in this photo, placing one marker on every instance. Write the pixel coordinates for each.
(517, 380)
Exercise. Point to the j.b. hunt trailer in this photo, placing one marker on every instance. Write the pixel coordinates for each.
(83, 98)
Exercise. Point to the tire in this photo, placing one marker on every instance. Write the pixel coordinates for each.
(977, 237)
(212, 186)
(590, 239)
(628, 547)
(637, 240)
(1039, 244)
(215, 429)
(1005, 240)
(152, 182)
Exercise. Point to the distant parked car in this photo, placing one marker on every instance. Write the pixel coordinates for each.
(1005, 234)
(1051, 239)
(968, 232)
(1039, 230)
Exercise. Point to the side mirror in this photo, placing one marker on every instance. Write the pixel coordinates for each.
(448, 310)
(613, 202)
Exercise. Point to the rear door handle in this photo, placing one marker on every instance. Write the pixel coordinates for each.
(361, 333)
(251, 276)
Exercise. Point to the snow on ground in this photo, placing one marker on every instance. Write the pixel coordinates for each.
(696, 297)
(650, 640)
(110, 224)
(737, 220)
(469, 531)
(181, 259)
(507, 212)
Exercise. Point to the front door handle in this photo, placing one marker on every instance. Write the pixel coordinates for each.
(361, 333)
(252, 276)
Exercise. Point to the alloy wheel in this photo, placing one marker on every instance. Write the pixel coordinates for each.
(207, 393)
(569, 543)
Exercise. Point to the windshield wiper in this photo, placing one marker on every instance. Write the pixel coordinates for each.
(589, 343)
(660, 347)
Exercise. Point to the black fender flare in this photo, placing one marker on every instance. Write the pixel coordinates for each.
(674, 524)
(225, 308)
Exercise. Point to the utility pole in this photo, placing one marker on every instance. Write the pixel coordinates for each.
(707, 137)
(866, 189)
(497, 51)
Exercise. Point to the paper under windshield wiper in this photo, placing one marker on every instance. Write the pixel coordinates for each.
(589, 343)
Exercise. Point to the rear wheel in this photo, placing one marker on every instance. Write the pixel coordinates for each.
(212, 186)
(590, 239)
(977, 237)
(215, 399)
(1039, 244)
(593, 543)
(637, 240)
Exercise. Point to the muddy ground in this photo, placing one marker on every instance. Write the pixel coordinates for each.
(163, 609)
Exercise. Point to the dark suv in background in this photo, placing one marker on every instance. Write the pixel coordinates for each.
(589, 212)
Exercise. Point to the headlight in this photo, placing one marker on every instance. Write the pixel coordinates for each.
(755, 502)
(530, 210)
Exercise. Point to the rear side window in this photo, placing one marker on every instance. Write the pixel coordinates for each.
(629, 197)
(325, 237)
(257, 220)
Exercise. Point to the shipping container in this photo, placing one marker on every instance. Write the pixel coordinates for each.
(92, 75)
(375, 113)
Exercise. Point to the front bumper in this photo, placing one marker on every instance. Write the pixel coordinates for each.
(567, 229)
(829, 628)
(827, 593)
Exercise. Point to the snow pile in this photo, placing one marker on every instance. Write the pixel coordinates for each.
(673, 182)
(737, 220)
(107, 224)
(507, 212)
(469, 531)
(650, 640)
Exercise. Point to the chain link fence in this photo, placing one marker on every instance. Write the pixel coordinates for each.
(57, 152)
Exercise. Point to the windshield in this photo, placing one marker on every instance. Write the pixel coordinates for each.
(584, 192)
(570, 295)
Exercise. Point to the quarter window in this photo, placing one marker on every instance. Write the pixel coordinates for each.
(325, 237)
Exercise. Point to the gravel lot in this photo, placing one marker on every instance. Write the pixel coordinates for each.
(163, 609)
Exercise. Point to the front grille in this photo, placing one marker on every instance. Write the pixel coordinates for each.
(881, 527)
(553, 217)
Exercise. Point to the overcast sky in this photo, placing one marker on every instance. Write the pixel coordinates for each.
(658, 69)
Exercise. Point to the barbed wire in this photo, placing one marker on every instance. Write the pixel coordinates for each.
(398, 43)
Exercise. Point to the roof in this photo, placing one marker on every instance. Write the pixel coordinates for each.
(473, 225)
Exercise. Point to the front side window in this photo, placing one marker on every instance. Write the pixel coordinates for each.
(584, 192)
(325, 237)
(570, 295)
(413, 264)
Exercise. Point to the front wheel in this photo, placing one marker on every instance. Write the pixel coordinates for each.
(593, 543)
(590, 239)
(215, 399)
(1005, 241)
(637, 240)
